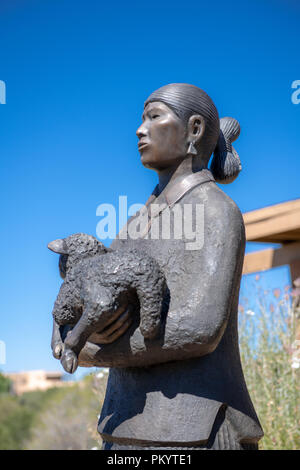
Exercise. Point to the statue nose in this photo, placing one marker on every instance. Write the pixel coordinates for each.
(141, 132)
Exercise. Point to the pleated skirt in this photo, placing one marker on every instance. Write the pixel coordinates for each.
(222, 437)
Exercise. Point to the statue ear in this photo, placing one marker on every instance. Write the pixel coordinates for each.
(196, 128)
(58, 246)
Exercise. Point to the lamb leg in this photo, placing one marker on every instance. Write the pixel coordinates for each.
(56, 341)
(74, 343)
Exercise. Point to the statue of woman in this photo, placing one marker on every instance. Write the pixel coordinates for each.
(185, 389)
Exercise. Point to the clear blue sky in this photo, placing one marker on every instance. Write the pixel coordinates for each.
(77, 73)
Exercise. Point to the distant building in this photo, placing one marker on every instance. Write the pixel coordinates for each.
(35, 380)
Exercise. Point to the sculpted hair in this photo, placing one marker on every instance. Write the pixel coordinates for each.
(186, 100)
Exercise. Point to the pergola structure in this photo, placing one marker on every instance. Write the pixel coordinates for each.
(275, 224)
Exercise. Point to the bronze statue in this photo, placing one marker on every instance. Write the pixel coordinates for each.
(183, 388)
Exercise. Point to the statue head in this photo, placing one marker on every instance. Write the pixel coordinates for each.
(181, 120)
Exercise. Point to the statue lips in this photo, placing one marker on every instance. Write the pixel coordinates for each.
(142, 145)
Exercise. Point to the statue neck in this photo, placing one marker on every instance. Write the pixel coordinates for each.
(176, 173)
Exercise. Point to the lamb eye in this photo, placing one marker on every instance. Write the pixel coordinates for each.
(155, 116)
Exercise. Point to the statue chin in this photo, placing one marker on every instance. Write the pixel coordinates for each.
(148, 162)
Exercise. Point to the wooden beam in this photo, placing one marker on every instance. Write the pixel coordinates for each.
(271, 211)
(275, 224)
(281, 227)
(271, 258)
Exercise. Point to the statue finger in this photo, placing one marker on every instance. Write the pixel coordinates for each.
(106, 332)
(115, 315)
(117, 333)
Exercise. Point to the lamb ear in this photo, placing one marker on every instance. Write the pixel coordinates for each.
(102, 248)
(58, 246)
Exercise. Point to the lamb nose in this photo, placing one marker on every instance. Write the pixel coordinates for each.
(58, 246)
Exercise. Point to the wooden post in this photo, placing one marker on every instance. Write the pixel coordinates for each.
(295, 269)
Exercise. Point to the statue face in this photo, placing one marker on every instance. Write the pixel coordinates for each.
(162, 137)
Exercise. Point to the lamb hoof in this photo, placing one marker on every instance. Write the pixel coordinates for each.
(150, 332)
(57, 350)
(69, 361)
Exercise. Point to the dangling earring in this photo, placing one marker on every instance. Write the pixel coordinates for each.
(191, 149)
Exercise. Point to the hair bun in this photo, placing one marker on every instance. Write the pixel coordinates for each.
(226, 163)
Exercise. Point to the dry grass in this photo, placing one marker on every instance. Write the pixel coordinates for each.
(269, 342)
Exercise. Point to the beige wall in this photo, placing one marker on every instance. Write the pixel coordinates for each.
(35, 380)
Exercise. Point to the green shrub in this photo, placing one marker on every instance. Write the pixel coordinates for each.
(15, 423)
(270, 357)
(5, 384)
(69, 419)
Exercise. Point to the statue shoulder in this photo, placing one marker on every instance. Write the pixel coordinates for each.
(219, 209)
(211, 195)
